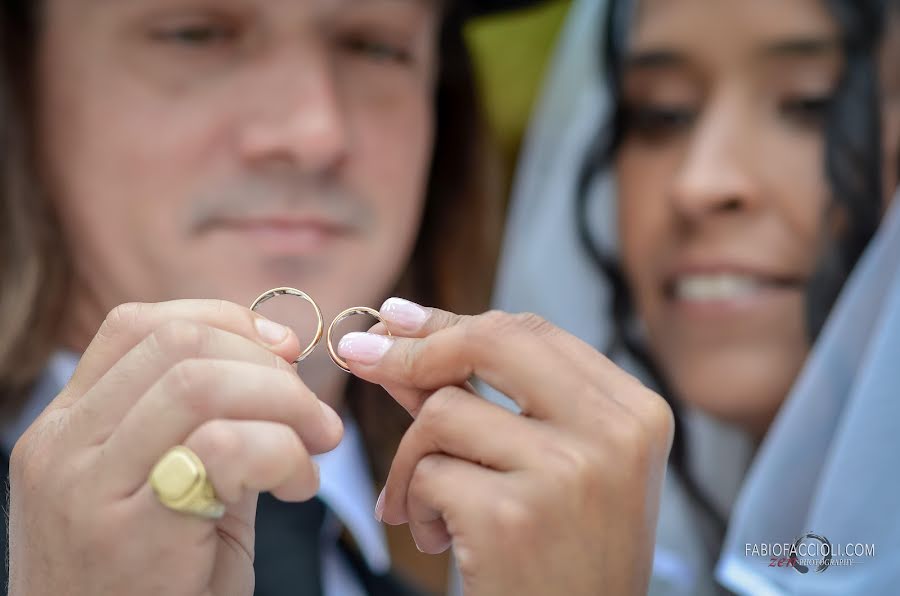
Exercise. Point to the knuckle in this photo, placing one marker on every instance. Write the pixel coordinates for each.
(410, 361)
(218, 305)
(650, 420)
(181, 338)
(659, 420)
(490, 324)
(483, 332)
(512, 517)
(295, 395)
(436, 409)
(33, 456)
(283, 365)
(189, 383)
(287, 378)
(225, 310)
(534, 323)
(24, 467)
(427, 468)
(291, 444)
(574, 460)
(576, 467)
(121, 317)
(497, 323)
(633, 443)
(219, 438)
(593, 396)
(415, 360)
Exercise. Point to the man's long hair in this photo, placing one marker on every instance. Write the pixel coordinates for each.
(451, 267)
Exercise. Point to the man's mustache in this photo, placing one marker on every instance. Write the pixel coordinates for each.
(262, 197)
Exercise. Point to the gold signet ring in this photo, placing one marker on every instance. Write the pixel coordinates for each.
(320, 324)
(356, 310)
(180, 483)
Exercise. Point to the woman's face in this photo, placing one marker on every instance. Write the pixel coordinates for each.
(723, 192)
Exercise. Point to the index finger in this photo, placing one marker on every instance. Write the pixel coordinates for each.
(512, 353)
(128, 324)
(408, 319)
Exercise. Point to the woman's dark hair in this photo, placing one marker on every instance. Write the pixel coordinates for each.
(852, 162)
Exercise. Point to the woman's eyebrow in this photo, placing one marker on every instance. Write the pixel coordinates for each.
(651, 59)
(802, 47)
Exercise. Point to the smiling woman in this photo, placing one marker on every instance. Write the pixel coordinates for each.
(722, 191)
(745, 144)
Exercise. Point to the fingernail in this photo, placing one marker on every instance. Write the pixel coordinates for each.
(404, 314)
(417, 544)
(365, 348)
(379, 506)
(331, 416)
(270, 331)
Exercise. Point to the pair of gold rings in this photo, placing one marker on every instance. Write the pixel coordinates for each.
(355, 310)
(179, 478)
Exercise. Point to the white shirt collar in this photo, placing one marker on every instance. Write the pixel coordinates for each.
(346, 482)
(346, 487)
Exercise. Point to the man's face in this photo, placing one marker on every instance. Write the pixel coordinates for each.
(219, 148)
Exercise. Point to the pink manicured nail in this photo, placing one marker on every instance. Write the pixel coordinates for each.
(365, 348)
(379, 506)
(404, 314)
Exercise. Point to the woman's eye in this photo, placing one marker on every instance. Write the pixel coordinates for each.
(656, 121)
(377, 50)
(807, 111)
(196, 34)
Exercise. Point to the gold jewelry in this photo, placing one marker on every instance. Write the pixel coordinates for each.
(356, 310)
(300, 294)
(180, 483)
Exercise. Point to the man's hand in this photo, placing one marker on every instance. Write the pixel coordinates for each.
(210, 375)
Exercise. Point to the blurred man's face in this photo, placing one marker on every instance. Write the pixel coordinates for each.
(218, 148)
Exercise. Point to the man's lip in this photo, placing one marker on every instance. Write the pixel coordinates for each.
(283, 235)
(283, 224)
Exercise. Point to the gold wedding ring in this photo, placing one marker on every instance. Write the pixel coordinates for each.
(356, 310)
(180, 483)
(320, 325)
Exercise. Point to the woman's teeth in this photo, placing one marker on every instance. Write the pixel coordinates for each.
(726, 286)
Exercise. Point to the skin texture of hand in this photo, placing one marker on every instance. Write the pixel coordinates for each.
(207, 374)
(562, 499)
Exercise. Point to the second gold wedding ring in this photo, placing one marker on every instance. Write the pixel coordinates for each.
(356, 310)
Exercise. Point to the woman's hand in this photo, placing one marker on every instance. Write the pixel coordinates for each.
(206, 374)
(562, 499)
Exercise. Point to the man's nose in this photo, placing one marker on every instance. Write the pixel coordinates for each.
(297, 113)
(716, 174)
